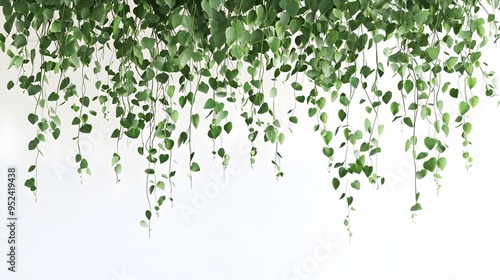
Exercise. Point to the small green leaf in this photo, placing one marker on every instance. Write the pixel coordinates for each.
(433, 52)
(86, 128)
(327, 137)
(387, 97)
(421, 174)
(33, 143)
(467, 127)
(328, 151)
(416, 207)
(408, 85)
(32, 118)
(394, 108)
(471, 82)
(441, 163)
(118, 169)
(194, 167)
(228, 127)
(421, 17)
(195, 120)
(463, 107)
(356, 185)
(335, 183)
(430, 164)
(10, 85)
(473, 101)
(209, 104)
(429, 142)
(408, 121)
(274, 92)
(152, 18)
(144, 223)
(271, 133)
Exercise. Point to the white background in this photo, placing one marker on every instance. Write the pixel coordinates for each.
(252, 226)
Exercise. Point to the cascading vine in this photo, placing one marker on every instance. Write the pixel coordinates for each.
(170, 63)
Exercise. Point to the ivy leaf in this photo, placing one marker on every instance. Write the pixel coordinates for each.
(86, 128)
(421, 17)
(394, 108)
(433, 52)
(271, 133)
(356, 185)
(473, 101)
(429, 142)
(408, 121)
(416, 207)
(194, 167)
(441, 163)
(463, 107)
(195, 120)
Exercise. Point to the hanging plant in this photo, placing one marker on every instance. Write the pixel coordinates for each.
(161, 62)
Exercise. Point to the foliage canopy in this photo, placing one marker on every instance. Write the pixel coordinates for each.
(164, 61)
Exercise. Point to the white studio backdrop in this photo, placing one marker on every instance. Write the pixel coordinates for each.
(246, 225)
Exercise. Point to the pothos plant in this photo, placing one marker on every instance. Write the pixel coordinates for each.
(161, 60)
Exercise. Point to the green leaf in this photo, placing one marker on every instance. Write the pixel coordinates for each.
(433, 52)
(118, 168)
(463, 107)
(430, 164)
(312, 111)
(328, 151)
(467, 127)
(471, 82)
(10, 85)
(185, 57)
(421, 17)
(296, 86)
(474, 56)
(408, 121)
(473, 101)
(271, 133)
(230, 35)
(421, 174)
(133, 132)
(143, 223)
(152, 18)
(148, 214)
(335, 183)
(394, 108)
(274, 92)
(195, 120)
(387, 97)
(33, 144)
(422, 155)
(34, 89)
(228, 127)
(160, 185)
(327, 137)
(323, 117)
(441, 163)
(408, 85)
(86, 128)
(356, 185)
(194, 167)
(416, 207)
(429, 142)
(209, 104)
(32, 118)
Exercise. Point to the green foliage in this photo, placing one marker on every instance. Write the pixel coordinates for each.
(171, 58)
